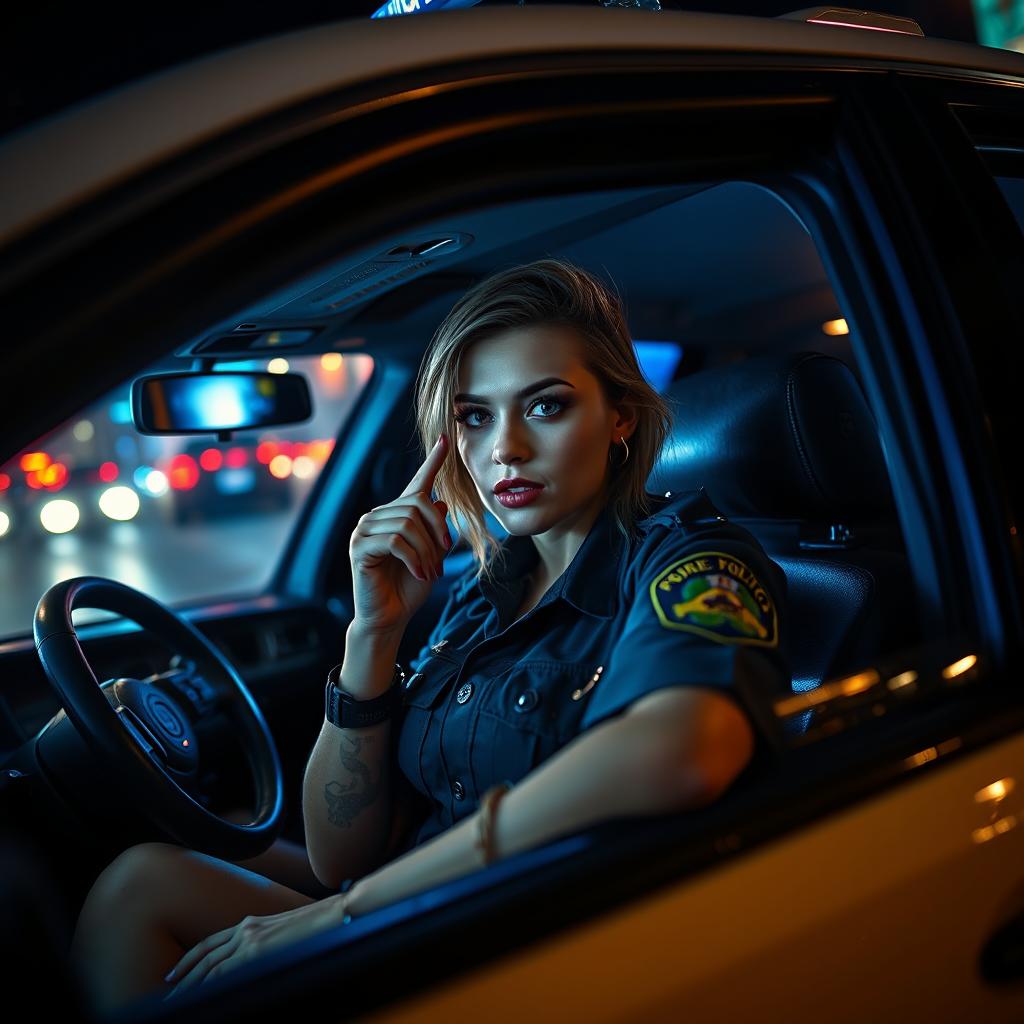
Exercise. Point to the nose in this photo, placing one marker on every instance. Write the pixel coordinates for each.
(510, 442)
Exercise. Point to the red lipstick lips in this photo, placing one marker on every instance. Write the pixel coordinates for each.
(510, 498)
(516, 481)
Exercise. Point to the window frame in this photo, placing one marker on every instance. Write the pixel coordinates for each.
(944, 207)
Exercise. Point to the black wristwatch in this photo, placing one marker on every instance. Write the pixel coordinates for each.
(344, 711)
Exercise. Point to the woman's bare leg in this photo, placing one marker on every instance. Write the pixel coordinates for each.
(151, 905)
(285, 862)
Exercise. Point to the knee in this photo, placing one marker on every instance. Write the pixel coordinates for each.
(132, 883)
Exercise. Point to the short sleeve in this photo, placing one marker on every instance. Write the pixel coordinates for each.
(704, 611)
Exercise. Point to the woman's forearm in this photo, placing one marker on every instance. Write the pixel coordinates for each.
(613, 770)
(346, 801)
(347, 786)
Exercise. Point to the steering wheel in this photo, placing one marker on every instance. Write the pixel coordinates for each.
(137, 730)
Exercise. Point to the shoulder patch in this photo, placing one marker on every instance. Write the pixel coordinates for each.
(715, 595)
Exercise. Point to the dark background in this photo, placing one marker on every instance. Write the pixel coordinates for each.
(56, 54)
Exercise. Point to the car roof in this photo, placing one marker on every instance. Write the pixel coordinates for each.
(63, 160)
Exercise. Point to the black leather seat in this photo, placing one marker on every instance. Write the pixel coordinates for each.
(787, 447)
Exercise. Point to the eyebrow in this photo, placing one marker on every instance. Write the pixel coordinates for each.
(528, 390)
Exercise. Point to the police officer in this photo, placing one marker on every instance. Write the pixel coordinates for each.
(607, 659)
(612, 654)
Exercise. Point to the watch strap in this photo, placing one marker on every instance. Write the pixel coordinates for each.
(344, 711)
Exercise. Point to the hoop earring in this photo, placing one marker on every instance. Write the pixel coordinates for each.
(626, 459)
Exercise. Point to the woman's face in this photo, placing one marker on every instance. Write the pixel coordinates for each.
(558, 435)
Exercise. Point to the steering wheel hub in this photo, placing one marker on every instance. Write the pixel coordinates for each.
(156, 720)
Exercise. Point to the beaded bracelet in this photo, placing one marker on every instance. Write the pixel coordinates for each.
(485, 822)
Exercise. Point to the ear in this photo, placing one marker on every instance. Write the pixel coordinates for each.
(624, 419)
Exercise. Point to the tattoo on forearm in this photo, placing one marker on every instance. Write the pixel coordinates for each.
(345, 801)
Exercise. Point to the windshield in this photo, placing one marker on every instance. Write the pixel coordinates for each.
(179, 518)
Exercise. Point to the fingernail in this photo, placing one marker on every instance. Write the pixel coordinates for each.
(169, 975)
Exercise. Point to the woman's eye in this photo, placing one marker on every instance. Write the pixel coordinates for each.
(551, 401)
(463, 417)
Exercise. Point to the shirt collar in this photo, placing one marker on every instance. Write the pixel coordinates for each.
(590, 584)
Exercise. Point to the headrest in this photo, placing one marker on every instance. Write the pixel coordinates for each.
(787, 437)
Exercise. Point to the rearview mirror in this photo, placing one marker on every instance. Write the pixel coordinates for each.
(199, 403)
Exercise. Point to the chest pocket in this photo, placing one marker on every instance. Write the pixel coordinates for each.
(424, 692)
(526, 714)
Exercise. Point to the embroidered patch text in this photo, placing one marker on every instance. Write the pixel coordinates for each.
(715, 595)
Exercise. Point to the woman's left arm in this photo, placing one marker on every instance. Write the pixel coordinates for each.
(670, 750)
(673, 749)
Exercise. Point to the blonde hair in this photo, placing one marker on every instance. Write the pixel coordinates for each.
(547, 291)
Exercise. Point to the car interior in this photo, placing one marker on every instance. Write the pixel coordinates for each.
(736, 320)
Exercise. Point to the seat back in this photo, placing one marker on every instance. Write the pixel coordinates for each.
(787, 447)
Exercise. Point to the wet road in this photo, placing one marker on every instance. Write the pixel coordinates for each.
(220, 558)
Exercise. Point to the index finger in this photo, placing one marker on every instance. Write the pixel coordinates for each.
(423, 478)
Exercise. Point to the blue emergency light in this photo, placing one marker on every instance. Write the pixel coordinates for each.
(396, 8)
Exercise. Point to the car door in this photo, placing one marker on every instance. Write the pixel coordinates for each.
(905, 904)
(893, 825)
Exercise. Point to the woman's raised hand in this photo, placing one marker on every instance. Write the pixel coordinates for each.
(397, 549)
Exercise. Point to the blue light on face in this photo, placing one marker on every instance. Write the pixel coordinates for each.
(658, 361)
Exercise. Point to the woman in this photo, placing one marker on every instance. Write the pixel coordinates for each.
(583, 669)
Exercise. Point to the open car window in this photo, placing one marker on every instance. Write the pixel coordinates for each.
(765, 376)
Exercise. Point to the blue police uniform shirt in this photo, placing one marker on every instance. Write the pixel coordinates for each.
(690, 600)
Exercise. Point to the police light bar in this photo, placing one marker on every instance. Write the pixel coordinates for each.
(396, 8)
(847, 17)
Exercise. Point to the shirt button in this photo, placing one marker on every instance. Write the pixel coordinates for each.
(465, 692)
(459, 790)
(527, 700)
